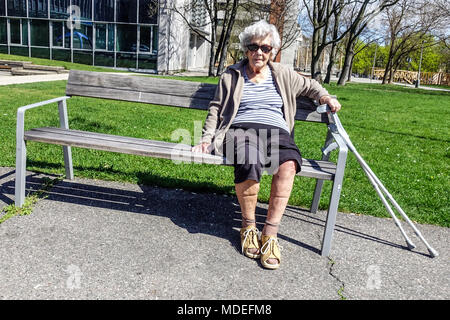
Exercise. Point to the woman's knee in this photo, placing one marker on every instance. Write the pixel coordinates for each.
(288, 168)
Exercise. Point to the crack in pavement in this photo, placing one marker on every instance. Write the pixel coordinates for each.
(341, 289)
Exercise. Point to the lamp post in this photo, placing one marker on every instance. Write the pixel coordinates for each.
(420, 66)
(373, 66)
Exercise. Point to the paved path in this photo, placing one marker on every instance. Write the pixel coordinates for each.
(92, 239)
(6, 78)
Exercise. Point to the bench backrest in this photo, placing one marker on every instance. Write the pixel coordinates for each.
(156, 90)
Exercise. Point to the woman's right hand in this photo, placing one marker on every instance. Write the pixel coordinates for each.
(202, 148)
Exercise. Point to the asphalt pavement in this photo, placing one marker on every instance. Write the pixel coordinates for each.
(93, 239)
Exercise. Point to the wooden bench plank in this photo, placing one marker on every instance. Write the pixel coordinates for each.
(311, 168)
(167, 92)
(98, 142)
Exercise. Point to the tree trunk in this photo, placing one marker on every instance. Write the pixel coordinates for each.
(223, 53)
(349, 78)
(212, 60)
(345, 69)
(330, 64)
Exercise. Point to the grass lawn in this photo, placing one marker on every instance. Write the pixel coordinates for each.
(402, 133)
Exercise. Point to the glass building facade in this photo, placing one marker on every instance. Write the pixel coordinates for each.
(112, 33)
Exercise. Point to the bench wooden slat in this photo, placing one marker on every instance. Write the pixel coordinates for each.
(311, 168)
(110, 137)
(97, 141)
(167, 92)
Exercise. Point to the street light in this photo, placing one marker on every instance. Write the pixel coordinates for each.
(420, 66)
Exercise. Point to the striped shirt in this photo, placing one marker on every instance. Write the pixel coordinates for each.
(261, 103)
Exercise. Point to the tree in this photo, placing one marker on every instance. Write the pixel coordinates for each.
(413, 24)
(365, 13)
(321, 13)
(187, 10)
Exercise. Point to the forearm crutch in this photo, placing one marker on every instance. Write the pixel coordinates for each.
(376, 183)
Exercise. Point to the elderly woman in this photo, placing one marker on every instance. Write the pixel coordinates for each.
(256, 98)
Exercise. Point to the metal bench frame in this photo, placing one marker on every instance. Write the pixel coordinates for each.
(321, 170)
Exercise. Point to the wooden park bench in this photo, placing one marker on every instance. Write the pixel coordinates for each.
(166, 92)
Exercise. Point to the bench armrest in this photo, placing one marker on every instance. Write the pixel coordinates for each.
(20, 128)
(22, 110)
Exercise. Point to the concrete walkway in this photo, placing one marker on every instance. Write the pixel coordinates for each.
(92, 239)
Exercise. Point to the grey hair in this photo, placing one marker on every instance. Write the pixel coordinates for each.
(260, 29)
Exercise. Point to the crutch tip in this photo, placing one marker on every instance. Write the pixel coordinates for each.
(410, 245)
(433, 253)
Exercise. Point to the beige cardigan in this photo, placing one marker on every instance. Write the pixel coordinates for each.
(223, 108)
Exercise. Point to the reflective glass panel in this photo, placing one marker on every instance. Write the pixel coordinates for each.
(58, 9)
(61, 54)
(2, 8)
(126, 38)
(145, 39)
(82, 38)
(58, 34)
(24, 32)
(14, 27)
(126, 60)
(39, 33)
(38, 8)
(126, 10)
(104, 10)
(84, 57)
(17, 8)
(43, 53)
(111, 37)
(148, 11)
(85, 8)
(100, 36)
(104, 59)
(3, 38)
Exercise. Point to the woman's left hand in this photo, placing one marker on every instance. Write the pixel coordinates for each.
(334, 105)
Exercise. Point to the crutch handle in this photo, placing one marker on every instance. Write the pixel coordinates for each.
(323, 108)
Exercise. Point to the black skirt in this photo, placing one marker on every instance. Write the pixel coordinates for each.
(254, 148)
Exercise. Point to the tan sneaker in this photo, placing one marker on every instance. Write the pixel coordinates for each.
(270, 249)
(250, 242)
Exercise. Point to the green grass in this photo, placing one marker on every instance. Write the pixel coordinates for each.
(402, 133)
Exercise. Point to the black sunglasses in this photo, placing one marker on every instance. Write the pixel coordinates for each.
(254, 47)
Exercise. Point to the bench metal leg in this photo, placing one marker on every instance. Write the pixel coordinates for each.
(319, 183)
(67, 151)
(21, 161)
(334, 203)
(317, 194)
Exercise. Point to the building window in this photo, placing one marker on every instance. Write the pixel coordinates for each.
(104, 10)
(3, 37)
(15, 31)
(17, 8)
(126, 11)
(101, 32)
(82, 38)
(38, 8)
(148, 11)
(39, 33)
(58, 9)
(126, 37)
(2, 8)
(58, 34)
(85, 8)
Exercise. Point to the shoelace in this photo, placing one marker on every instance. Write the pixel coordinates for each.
(247, 234)
(266, 245)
